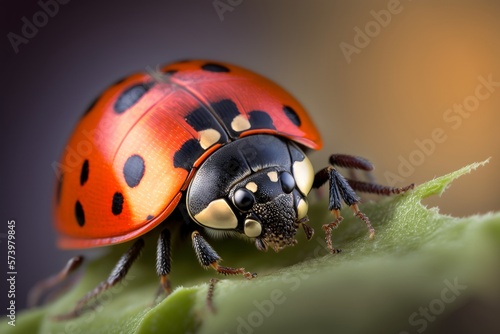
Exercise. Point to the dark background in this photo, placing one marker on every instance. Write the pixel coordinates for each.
(395, 91)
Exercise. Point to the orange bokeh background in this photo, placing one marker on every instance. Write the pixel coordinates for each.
(397, 89)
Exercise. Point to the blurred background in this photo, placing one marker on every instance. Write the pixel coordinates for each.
(413, 85)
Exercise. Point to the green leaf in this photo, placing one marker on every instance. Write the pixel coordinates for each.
(423, 271)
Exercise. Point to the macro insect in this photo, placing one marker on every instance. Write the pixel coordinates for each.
(224, 147)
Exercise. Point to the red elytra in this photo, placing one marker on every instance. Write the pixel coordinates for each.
(95, 206)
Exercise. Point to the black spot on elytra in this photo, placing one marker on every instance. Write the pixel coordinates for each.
(187, 154)
(117, 204)
(84, 174)
(133, 170)
(149, 217)
(292, 115)
(79, 214)
(201, 119)
(211, 67)
(59, 187)
(130, 96)
(261, 120)
(227, 111)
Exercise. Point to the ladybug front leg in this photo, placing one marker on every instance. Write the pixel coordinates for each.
(117, 274)
(207, 256)
(339, 190)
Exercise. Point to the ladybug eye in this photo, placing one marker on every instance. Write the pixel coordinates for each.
(287, 182)
(243, 199)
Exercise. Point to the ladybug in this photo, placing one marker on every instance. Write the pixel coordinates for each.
(219, 145)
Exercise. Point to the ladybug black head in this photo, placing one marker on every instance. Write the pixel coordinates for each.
(264, 197)
(267, 203)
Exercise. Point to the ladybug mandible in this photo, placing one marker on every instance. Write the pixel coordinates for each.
(223, 146)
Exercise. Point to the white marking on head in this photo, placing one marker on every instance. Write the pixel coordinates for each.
(273, 176)
(302, 208)
(240, 123)
(208, 137)
(218, 215)
(303, 173)
(252, 228)
(252, 186)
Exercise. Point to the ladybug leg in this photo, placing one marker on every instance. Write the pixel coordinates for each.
(42, 287)
(343, 189)
(373, 188)
(117, 274)
(210, 294)
(208, 257)
(350, 161)
(163, 262)
(328, 228)
(339, 190)
(353, 162)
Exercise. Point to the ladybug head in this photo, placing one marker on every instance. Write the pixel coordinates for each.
(263, 197)
(270, 207)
